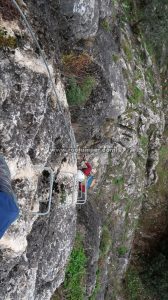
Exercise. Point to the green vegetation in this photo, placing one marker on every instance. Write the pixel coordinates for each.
(127, 50)
(155, 277)
(163, 153)
(105, 245)
(105, 25)
(97, 286)
(154, 23)
(118, 180)
(152, 282)
(113, 2)
(79, 83)
(134, 287)
(161, 187)
(115, 57)
(148, 278)
(127, 10)
(119, 188)
(74, 283)
(150, 76)
(137, 95)
(7, 41)
(128, 206)
(78, 94)
(76, 64)
(116, 198)
(144, 142)
(138, 74)
(105, 242)
(122, 250)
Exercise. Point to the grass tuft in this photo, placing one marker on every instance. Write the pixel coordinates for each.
(7, 41)
(137, 95)
(75, 273)
(105, 25)
(122, 250)
(78, 94)
(76, 64)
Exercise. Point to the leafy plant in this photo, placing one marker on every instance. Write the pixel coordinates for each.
(105, 25)
(78, 94)
(122, 250)
(137, 95)
(127, 10)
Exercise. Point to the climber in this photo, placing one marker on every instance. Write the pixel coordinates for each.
(84, 166)
(90, 182)
(9, 210)
(86, 175)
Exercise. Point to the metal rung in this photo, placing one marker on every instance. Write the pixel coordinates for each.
(50, 193)
(81, 195)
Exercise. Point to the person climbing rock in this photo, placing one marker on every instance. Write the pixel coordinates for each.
(90, 182)
(87, 168)
(9, 210)
(86, 175)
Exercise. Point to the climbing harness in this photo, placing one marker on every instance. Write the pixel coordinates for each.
(69, 131)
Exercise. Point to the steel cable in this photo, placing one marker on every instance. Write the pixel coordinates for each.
(70, 134)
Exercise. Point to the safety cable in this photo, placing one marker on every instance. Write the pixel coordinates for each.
(70, 133)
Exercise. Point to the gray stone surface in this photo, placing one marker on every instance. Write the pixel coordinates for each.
(35, 250)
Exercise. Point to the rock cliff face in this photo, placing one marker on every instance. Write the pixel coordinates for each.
(32, 130)
(120, 125)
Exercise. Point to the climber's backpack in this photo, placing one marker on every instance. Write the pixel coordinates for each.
(89, 181)
(9, 210)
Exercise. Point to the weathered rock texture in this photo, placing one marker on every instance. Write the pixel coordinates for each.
(124, 142)
(121, 123)
(34, 251)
